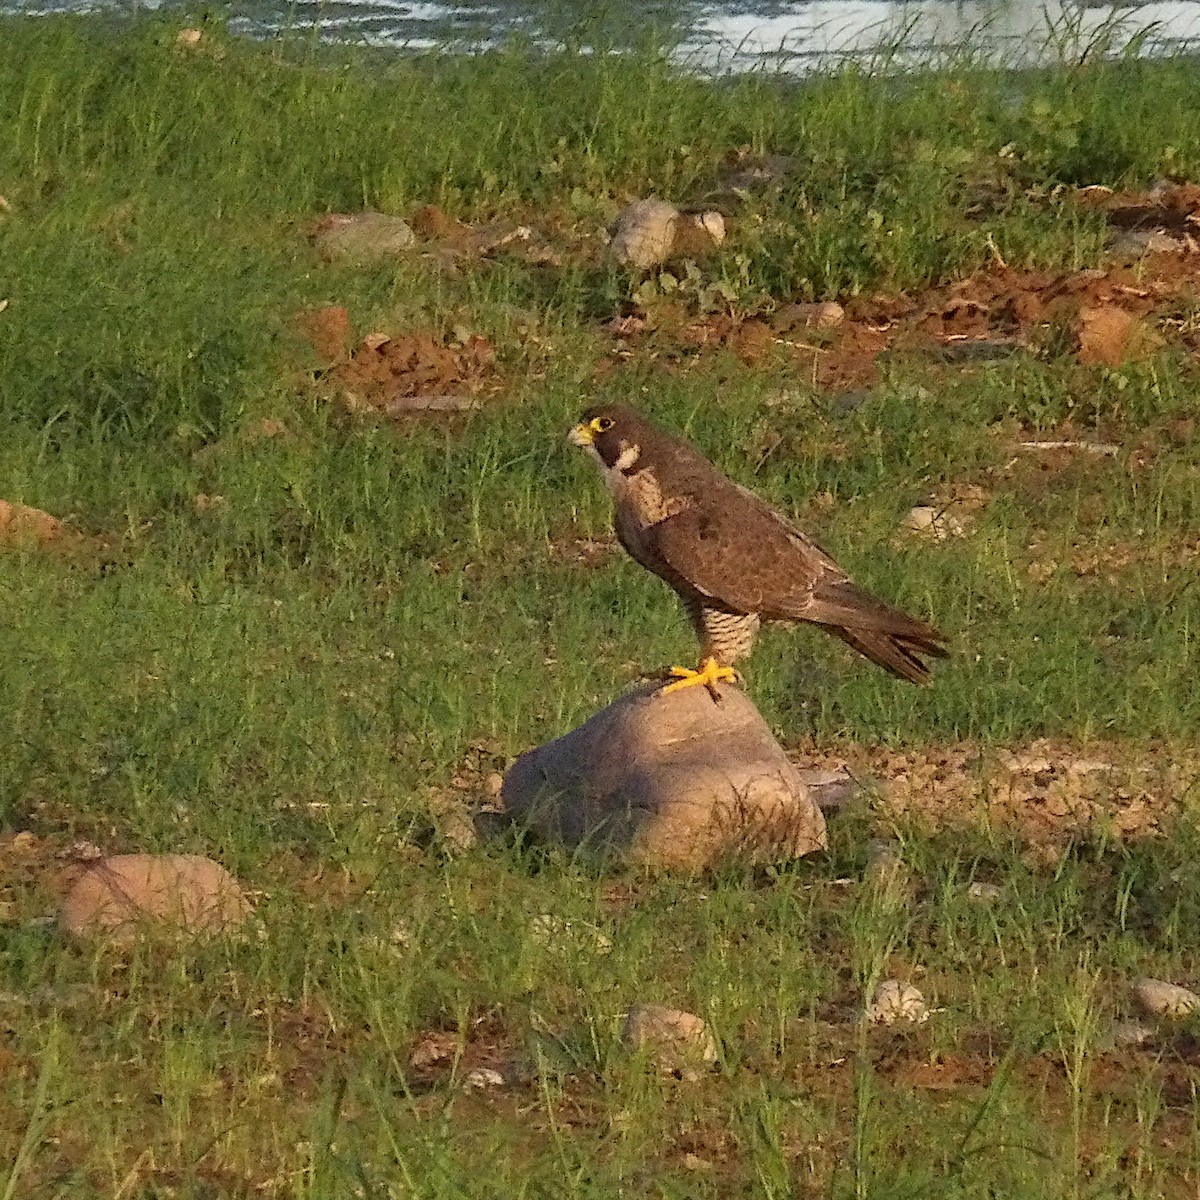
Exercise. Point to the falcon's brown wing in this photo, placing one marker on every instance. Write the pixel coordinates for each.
(744, 557)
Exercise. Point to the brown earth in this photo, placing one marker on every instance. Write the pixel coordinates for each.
(1044, 794)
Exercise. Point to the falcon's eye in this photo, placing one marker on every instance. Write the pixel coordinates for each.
(603, 424)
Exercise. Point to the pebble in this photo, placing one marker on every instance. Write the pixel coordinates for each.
(895, 1001)
(677, 1041)
(644, 233)
(1131, 1033)
(484, 1077)
(1156, 998)
(985, 892)
(24, 841)
(935, 523)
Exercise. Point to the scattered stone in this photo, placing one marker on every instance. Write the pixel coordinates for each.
(650, 232)
(361, 238)
(1131, 1033)
(791, 317)
(27, 528)
(24, 841)
(670, 780)
(409, 372)
(432, 1048)
(831, 789)
(745, 172)
(678, 1042)
(936, 523)
(985, 893)
(643, 234)
(1132, 244)
(188, 38)
(1157, 998)
(697, 234)
(895, 1001)
(457, 829)
(484, 1078)
(115, 896)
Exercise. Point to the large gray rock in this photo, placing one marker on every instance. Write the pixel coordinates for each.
(674, 780)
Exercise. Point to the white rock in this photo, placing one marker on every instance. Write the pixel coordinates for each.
(895, 1001)
(1157, 998)
(985, 892)
(644, 233)
(676, 1040)
(484, 1077)
(936, 523)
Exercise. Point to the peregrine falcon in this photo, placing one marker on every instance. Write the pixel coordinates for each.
(732, 559)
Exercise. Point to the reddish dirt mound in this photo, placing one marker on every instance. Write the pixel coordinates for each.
(407, 372)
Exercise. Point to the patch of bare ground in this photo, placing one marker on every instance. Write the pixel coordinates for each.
(1104, 316)
(390, 375)
(1045, 794)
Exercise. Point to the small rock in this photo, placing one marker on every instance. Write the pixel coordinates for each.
(24, 841)
(826, 315)
(895, 1001)
(457, 829)
(1159, 999)
(483, 1078)
(188, 37)
(644, 233)
(830, 789)
(669, 780)
(1136, 243)
(27, 528)
(697, 234)
(361, 238)
(677, 1041)
(986, 893)
(115, 895)
(1131, 1033)
(431, 1048)
(937, 523)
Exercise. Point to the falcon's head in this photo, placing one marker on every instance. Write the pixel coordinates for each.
(611, 432)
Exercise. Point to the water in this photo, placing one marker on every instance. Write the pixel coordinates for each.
(733, 36)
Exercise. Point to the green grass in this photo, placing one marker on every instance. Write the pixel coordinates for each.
(291, 681)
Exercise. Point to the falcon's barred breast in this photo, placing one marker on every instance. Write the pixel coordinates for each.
(734, 560)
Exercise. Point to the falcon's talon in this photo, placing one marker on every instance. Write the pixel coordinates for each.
(710, 674)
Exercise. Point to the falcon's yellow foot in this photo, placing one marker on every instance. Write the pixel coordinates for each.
(710, 674)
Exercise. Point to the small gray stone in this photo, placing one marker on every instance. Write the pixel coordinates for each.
(677, 1041)
(985, 893)
(1131, 1033)
(644, 233)
(671, 780)
(362, 238)
(116, 896)
(1157, 998)
(896, 1002)
(484, 1078)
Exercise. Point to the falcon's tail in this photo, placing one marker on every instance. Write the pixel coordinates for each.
(878, 631)
(897, 653)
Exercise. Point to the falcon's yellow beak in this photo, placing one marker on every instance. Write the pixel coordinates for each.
(581, 435)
